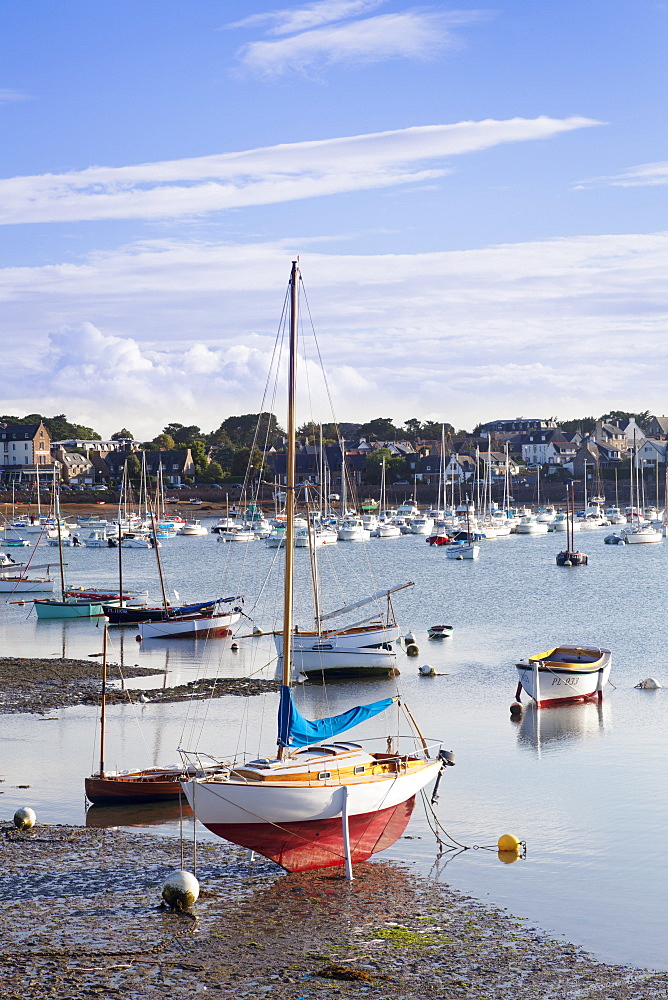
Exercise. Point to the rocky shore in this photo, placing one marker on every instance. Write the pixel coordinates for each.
(81, 917)
(43, 685)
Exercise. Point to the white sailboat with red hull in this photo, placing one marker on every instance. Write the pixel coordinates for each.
(319, 802)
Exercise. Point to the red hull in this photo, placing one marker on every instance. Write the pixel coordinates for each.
(594, 696)
(302, 847)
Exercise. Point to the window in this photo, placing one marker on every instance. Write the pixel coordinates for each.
(359, 769)
(324, 775)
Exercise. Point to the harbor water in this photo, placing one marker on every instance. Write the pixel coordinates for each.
(581, 784)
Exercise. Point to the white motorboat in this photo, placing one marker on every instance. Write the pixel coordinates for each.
(194, 528)
(236, 534)
(422, 525)
(353, 530)
(529, 525)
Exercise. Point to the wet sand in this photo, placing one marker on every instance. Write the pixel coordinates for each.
(41, 685)
(81, 917)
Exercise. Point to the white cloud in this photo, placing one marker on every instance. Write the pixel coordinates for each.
(287, 172)
(168, 331)
(406, 35)
(311, 15)
(12, 96)
(645, 175)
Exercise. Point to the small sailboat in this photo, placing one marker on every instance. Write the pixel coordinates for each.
(153, 784)
(570, 556)
(66, 607)
(565, 674)
(321, 801)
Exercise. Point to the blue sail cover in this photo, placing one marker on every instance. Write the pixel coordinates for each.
(296, 731)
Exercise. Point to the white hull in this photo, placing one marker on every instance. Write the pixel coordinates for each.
(186, 627)
(561, 685)
(462, 550)
(639, 536)
(367, 649)
(353, 534)
(9, 586)
(387, 531)
(231, 802)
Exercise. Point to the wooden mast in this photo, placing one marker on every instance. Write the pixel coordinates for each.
(103, 710)
(290, 484)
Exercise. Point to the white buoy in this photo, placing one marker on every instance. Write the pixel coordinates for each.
(409, 637)
(257, 630)
(180, 890)
(426, 671)
(24, 819)
(649, 684)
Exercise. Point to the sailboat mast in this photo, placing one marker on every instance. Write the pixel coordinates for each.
(103, 710)
(290, 478)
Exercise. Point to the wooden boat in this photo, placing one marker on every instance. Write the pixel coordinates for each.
(565, 674)
(319, 802)
(18, 583)
(439, 631)
(153, 784)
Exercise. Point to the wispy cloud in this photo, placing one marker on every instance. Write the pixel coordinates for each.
(645, 175)
(188, 329)
(12, 96)
(410, 34)
(274, 174)
(311, 15)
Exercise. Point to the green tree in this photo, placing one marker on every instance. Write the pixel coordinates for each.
(248, 428)
(214, 473)
(247, 461)
(134, 467)
(163, 442)
(183, 436)
(380, 428)
(200, 457)
(413, 428)
(123, 433)
(431, 430)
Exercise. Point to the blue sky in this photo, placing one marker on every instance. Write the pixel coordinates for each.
(476, 194)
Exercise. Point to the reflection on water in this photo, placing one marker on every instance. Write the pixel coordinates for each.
(138, 814)
(539, 727)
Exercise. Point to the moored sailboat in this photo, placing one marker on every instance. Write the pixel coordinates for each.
(320, 802)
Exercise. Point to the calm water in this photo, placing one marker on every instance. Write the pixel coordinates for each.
(581, 784)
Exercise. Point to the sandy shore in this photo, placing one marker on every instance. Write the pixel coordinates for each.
(82, 918)
(41, 685)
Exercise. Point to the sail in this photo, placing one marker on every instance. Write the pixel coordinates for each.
(296, 731)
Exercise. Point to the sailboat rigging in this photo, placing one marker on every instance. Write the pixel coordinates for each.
(319, 802)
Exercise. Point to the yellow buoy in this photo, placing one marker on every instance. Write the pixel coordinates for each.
(508, 842)
(412, 649)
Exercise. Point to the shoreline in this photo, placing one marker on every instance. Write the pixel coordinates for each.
(84, 920)
(42, 684)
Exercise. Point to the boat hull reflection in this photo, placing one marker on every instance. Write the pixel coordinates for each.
(137, 814)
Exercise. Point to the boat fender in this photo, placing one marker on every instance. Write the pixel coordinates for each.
(180, 890)
(24, 818)
(138, 638)
(649, 684)
(412, 649)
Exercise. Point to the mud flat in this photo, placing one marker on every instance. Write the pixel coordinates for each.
(81, 917)
(41, 685)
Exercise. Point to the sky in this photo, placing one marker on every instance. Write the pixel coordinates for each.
(476, 194)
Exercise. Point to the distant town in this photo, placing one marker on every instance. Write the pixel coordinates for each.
(251, 448)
